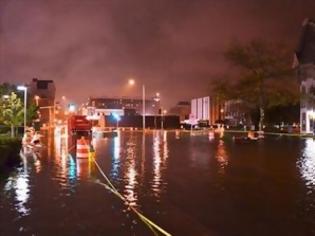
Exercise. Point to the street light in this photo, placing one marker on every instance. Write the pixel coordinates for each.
(132, 82)
(157, 97)
(24, 88)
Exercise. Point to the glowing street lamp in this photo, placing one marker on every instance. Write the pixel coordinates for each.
(24, 88)
(157, 97)
(131, 82)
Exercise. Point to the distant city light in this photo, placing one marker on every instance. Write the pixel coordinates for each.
(116, 117)
(72, 108)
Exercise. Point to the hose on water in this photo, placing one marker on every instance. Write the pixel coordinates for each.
(109, 186)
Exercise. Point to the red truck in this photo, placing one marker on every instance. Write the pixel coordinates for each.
(79, 124)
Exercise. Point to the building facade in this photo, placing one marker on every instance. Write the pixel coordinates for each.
(236, 113)
(120, 106)
(304, 63)
(182, 109)
(43, 92)
(207, 109)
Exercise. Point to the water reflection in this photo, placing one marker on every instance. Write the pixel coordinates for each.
(68, 168)
(222, 157)
(116, 156)
(19, 184)
(131, 173)
(156, 163)
(160, 156)
(307, 163)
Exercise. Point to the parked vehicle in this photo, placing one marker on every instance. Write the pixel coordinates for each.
(79, 124)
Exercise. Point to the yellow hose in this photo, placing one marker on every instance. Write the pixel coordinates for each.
(112, 188)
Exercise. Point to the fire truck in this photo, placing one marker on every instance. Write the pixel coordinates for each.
(78, 124)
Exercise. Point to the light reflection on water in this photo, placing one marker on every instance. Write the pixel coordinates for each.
(138, 164)
(156, 163)
(20, 186)
(307, 163)
(222, 156)
(160, 156)
(116, 157)
(62, 169)
(131, 173)
(128, 163)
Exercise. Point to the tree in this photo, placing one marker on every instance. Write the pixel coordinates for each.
(264, 68)
(12, 112)
(32, 113)
(221, 91)
(6, 89)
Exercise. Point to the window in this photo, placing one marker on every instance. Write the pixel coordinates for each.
(42, 85)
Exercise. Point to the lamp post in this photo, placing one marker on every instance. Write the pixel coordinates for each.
(143, 107)
(24, 88)
(157, 99)
(132, 82)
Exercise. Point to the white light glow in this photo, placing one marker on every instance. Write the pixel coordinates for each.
(307, 163)
(131, 82)
(21, 88)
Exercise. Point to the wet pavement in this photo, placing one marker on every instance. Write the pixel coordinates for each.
(186, 183)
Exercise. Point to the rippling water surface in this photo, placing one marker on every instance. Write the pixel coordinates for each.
(186, 183)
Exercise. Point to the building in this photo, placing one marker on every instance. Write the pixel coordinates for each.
(182, 109)
(236, 113)
(121, 107)
(304, 63)
(207, 109)
(42, 92)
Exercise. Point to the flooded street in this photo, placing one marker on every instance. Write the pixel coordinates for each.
(185, 183)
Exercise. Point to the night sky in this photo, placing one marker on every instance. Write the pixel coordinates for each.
(92, 47)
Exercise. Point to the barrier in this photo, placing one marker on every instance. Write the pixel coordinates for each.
(82, 148)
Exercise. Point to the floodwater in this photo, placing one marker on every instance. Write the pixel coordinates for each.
(185, 182)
